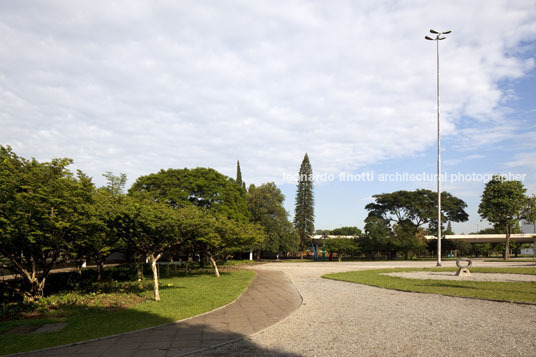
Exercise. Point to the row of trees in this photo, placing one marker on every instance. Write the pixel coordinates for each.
(48, 216)
(398, 221)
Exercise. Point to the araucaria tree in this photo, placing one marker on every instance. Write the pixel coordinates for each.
(504, 205)
(304, 212)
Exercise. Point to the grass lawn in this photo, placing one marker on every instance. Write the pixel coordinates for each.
(90, 316)
(498, 260)
(503, 291)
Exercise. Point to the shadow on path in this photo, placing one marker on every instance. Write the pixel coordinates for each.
(270, 298)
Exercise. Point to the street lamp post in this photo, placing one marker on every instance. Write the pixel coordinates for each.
(439, 36)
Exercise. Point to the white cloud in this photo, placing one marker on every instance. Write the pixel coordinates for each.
(133, 87)
(525, 160)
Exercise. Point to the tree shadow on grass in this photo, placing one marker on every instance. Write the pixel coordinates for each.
(83, 323)
(198, 336)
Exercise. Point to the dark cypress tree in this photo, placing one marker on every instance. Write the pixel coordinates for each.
(304, 213)
(239, 174)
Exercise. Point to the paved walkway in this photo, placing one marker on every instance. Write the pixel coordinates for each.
(345, 319)
(270, 298)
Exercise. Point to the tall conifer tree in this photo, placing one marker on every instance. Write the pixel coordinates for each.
(304, 213)
(239, 175)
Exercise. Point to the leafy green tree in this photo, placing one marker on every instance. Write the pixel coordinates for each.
(152, 228)
(266, 208)
(95, 235)
(342, 246)
(216, 236)
(106, 205)
(347, 231)
(41, 205)
(417, 208)
(503, 204)
(481, 249)
(378, 237)
(205, 188)
(304, 211)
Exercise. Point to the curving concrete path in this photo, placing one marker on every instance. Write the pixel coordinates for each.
(270, 298)
(345, 319)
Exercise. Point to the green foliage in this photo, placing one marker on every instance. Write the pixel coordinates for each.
(405, 213)
(378, 239)
(346, 231)
(342, 246)
(419, 207)
(503, 204)
(216, 236)
(204, 188)
(239, 175)
(42, 211)
(266, 208)
(151, 227)
(304, 211)
(48, 215)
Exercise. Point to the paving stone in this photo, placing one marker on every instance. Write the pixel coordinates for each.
(51, 327)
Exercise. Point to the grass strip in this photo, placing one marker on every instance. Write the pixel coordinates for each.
(522, 292)
(182, 297)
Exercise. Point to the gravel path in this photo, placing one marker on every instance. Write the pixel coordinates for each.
(445, 275)
(344, 319)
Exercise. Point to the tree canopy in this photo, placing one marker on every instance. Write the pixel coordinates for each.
(42, 210)
(419, 207)
(265, 204)
(205, 188)
(405, 214)
(503, 204)
(346, 231)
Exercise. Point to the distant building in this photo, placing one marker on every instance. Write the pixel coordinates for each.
(528, 227)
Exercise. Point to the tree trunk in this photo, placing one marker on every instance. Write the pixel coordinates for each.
(340, 257)
(100, 268)
(36, 291)
(507, 245)
(213, 262)
(79, 268)
(153, 260)
(140, 275)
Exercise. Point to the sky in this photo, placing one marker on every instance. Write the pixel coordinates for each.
(137, 86)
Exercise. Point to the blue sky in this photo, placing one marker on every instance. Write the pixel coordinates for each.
(138, 86)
